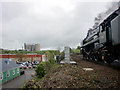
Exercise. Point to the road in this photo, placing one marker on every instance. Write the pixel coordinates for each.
(19, 81)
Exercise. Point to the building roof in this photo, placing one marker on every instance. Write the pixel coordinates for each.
(7, 66)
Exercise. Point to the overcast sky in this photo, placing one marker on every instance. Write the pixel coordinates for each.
(51, 23)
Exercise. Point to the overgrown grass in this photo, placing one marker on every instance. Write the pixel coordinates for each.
(41, 72)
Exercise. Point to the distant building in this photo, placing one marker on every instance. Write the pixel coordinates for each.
(37, 47)
(32, 47)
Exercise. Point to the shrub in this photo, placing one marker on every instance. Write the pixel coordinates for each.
(52, 61)
(44, 67)
(40, 70)
(48, 66)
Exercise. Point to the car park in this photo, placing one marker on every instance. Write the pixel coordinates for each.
(30, 65)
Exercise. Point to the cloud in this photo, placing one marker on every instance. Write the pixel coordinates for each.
(51, 23)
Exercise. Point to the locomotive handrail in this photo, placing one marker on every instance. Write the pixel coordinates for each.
(94, 40)
(91, 36)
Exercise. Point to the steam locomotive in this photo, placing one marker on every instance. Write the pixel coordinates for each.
(103, 42)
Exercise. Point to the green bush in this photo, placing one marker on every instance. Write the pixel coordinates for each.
(40, 70)
(48, 66)
(44, 67)
(52, 61)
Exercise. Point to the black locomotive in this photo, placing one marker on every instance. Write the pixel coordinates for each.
(103, 42)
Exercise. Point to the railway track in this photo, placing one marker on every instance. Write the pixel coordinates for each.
(115, 64)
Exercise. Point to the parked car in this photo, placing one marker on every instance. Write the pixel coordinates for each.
(24, 63)
(34, 66)
(25, 67)
(20, 62)
(30, 65)
(21, 66)
(36, 62)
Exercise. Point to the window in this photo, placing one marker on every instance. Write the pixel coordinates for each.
(8, 74)
(13, 72)
(17, 70)
(1, 76)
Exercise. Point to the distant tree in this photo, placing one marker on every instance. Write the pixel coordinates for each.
(57, 52)
(59, 48)
(20, 56)
(50, 56)
(15, 51)
(5, 51)
(77, 49)
(72, 51)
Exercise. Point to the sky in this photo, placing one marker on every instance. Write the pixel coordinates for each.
(51, 23)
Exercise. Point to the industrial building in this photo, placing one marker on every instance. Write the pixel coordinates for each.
(31, 47)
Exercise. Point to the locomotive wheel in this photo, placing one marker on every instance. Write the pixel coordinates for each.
(104, 62)
(90, 58)
(109, 61)
(87, 57)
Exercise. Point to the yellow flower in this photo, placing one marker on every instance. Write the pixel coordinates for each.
(58, 87)
(40, 86)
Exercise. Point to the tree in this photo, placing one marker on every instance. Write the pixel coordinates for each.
(50, 56)
(72, 51)
(20, 56)
(77, 49)
(57, 52)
